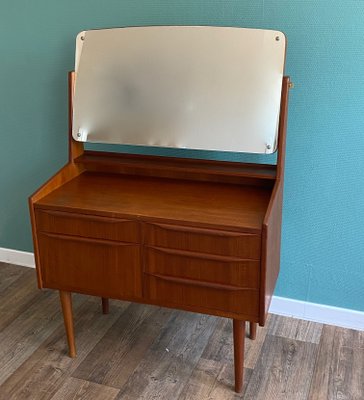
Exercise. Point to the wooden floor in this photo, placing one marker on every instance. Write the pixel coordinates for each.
(145, 352)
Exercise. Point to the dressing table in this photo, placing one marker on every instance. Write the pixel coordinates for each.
(186, 233)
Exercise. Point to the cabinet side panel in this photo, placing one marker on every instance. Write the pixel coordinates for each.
(271, 233)
(271, 250)
(64, 175)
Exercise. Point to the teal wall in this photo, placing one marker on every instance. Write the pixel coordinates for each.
(323, 224)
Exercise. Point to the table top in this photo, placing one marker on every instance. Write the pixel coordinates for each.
(216, 205)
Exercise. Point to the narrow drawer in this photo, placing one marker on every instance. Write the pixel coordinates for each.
(205, 269)
(93, 266)
(90, 226)
(237, 244)
(182, 292)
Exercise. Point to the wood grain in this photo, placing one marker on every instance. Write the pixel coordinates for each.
(99, 267)
(75, 149)
(272, 224)
(64, 175)
(339, 372)
(179, 168)
(279, 371)
(116, 356)
(9, 273)
(41, 375)
(66, 303)
(231, 206)
(77, 389)
(239, 342)
(217, 354)
(252, 330)
(168, 365)
(213, 376)
(19, 296)
(21, 338)
(201, 295)
(306, 331)
(208, 241)
(105, 305)
(88, 226)
(282, 128)
(253, 347)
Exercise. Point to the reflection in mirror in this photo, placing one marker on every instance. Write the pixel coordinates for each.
(209, 88)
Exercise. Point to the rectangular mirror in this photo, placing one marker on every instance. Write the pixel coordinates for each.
(210, 88)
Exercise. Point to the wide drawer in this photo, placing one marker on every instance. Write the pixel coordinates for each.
(180, 292)
(98, 267)
(231, 272)
(237, 244)
(87, 226)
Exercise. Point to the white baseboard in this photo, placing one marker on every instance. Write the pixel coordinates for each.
(318, 313)
(280, 305)
(18, 257)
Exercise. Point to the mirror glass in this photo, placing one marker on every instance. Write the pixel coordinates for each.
(210, 88)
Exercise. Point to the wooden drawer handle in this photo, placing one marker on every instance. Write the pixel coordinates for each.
(193, 282)
(87, 240)
(87, 217)
(211, 232)
(204, 256)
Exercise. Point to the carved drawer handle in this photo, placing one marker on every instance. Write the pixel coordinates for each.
(193, 282)
(88, 217)
(203, 256)
(206, 231)
(87, 240)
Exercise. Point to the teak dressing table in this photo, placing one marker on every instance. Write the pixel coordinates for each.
(190, 234)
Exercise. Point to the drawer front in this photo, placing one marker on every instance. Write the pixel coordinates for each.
(186, 292)
(87, 226)
(235, 244)
(109, 269)
(221, 270)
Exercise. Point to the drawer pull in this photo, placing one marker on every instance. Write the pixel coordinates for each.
(206, 231)
(193, 282)
(87, 240)
(193, 254)
(87, 217)
(87, 226)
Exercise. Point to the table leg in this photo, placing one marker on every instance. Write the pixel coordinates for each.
(66, 302)
(105, 305)
(252, 330)
(239, 338)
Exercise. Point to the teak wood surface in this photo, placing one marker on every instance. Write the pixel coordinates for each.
(195, 235)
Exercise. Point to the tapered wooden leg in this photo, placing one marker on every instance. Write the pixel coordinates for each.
(105, 305)
(66, 302)
(252, 330)
(239, 338)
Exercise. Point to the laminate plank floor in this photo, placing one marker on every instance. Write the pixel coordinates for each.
(146, 352)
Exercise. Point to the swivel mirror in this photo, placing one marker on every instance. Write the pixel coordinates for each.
(190, 87)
